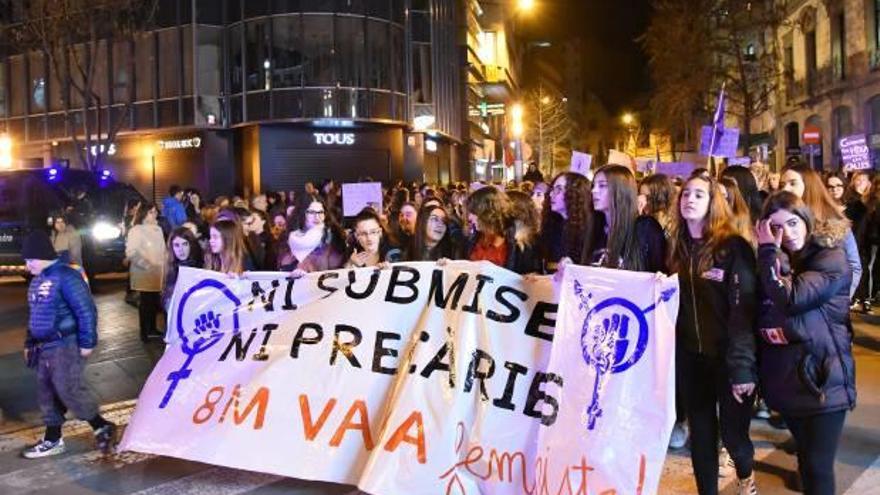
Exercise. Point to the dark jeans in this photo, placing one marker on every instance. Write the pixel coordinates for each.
(709, 404)
(148, 309)
(61, 384)
(817, 438)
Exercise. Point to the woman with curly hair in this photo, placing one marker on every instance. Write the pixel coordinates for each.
(490, 215)
(567, 211)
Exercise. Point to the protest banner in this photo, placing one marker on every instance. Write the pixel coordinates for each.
(645, 165)
(726, 141)
(675, 169)
(419, 378)
(740, 161)
(359, 195)
(855, 152)
(581, 163)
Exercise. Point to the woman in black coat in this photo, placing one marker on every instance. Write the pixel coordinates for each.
(807, 370)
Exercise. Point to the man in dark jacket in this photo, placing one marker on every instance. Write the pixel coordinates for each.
(62, 332)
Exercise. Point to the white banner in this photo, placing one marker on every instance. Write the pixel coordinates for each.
(419, 379)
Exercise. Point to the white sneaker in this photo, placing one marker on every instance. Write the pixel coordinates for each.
(44, 449)
(726, 467)
(747, 486)
(679, 436)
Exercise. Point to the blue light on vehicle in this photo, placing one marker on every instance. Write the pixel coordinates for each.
(105, 174)
(54, 174)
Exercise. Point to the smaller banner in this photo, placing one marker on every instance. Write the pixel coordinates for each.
(726, 142)
(359, 195)
(855, 152)
(676, 169)
(581, 162)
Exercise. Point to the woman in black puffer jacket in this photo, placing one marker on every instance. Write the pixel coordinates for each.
(807, 370)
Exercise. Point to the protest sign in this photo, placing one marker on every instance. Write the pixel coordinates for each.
(581, 162)
(645, 165)
(739, 161)
(855, 152)
(620, 158)
(725, 144)
(419, 378)
(359, 195)
(675, 169)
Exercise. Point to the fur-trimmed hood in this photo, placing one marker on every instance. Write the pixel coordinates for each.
(830, 233)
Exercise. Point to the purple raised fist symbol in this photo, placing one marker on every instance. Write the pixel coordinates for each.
(207, 324)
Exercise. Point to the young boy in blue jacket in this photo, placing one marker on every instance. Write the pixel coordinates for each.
(62, 333)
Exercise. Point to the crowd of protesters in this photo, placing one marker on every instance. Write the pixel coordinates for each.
(770, 266)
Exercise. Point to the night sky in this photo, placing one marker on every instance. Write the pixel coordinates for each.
(615, 67)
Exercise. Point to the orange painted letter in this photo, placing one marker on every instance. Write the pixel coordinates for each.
(402, 435)
(309, 429)
(359, 407)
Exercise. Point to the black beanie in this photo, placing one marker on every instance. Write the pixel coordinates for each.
(37, 246)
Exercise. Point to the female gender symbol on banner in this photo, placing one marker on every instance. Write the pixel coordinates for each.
(206, 329)
(606, 342)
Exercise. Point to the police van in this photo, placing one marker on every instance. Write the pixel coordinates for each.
(94, 200)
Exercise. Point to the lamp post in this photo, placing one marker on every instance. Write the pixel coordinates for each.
(629, 121)
(517, 129)
(150, 154)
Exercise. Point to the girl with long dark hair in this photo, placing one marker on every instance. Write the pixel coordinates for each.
(567, 211)
(433, 238)
(807, 369)
(183, 250)
(617, 237)
(715, 354)
(806, 184)
(313, 242)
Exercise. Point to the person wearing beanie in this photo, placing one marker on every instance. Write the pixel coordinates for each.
(61, 334)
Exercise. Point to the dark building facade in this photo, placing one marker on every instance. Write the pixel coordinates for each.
(256, 95)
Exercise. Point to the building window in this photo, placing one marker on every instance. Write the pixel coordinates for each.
(842, 126)
(17, 86)
(145, 64)
(121, 78)
(169, 63)
(3, 108)
(379, 54)
(287, 52)
(810, 51)
(209, 75)
(318, 50)
(259, 62)
(874, 114)
(350, 49)
(422, 73)
(792, 136)
(236, 59)
(37, 80)
(838, 45)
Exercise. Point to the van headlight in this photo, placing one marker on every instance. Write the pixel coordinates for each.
(104, 231)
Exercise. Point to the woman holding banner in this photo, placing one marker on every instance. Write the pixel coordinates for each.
(370, 246)
(494, 239)
(715, 331)
(434, 237)
(807, 369)
(314, 242)
(567, 210)
(226, 248)
(618, 237)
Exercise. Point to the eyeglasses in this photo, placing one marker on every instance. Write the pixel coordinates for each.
(835, 186)
(317, 213)
(369, 233)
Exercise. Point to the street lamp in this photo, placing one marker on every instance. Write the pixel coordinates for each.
(150, 155)
(518, 129)
(628, 119)
(5, 151)
(526, 5)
